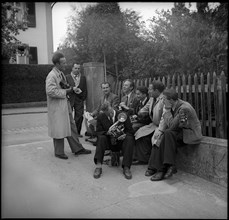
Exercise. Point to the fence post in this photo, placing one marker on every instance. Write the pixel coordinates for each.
(203, 121)
(173, 82)
(216, 105)
(190, 89)
(184, 87)
(224, 101)
(179, 86)
(196, 95)
(168, 81)
(209, 105)
(163, 80)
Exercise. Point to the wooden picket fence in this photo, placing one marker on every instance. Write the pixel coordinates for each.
(207, 94)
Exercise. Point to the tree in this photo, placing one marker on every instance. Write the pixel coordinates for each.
(10, 28)
(189, 42)
(102, 32)
(178, 41)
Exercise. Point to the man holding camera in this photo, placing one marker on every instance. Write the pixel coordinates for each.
(110, 137)
(60, 121)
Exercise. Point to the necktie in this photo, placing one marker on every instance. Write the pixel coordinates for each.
(105, 99)
(63, 76)
(127, 100)
(111, 119)
(154, 103)
(172, 112)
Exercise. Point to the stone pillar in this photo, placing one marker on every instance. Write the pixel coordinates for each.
(94, 73)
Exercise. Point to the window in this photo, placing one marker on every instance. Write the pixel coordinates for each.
(31, 16)
(33, 55)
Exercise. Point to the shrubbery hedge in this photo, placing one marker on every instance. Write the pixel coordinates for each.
(25, 82)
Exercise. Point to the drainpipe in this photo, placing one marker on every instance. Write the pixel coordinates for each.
(53, 4)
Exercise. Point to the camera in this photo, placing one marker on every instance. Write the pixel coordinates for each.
(64, 85)
(117, 129)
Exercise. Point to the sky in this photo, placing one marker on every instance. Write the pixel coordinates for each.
(61, 11)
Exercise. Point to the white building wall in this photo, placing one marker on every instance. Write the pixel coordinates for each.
(40, 36)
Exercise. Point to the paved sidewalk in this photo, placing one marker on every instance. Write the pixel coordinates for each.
(35, 184)
(38, 185)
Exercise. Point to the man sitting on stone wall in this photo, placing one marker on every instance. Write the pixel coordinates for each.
(108, 96)
(179, 125)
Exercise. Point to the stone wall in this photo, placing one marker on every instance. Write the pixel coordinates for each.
(207, 160)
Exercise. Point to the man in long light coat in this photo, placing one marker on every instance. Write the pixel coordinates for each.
(60, 121)
(143, 136)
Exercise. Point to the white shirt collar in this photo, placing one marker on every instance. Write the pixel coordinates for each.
(74, 76)
(160, 96)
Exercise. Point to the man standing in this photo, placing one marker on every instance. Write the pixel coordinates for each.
(60, 120)
(77, 98)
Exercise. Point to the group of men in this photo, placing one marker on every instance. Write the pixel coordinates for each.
(153, 122)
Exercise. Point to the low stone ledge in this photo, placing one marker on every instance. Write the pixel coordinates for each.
(207, 159)
(25, 105)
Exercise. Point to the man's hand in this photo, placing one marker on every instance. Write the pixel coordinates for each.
(157, 134)
(123, 105)
(69, 90)
(183, 118)
(77, 90)
(122, 137)
(167, 104)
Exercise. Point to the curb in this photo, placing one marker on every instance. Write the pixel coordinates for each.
(21, 113)
(24, 105)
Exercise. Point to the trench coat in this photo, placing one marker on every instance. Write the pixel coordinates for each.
(157, 108)
(58, 106)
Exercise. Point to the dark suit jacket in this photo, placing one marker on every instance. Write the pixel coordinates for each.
(131, 102)
(112, 98)
(103, 124)
(137, 105)
(73, 97)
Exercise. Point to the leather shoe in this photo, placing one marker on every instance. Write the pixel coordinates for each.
(150, 172)
(62, 156)
(97, 172)
(127, 173)
(107, 153)
(138, 162)
(158, 176)
(83, 151)
(170, 172)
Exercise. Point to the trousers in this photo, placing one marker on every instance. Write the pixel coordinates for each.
(126, 145)
(73, 140)
(166, 152)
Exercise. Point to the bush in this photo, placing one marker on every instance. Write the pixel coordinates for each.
(25, 82)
